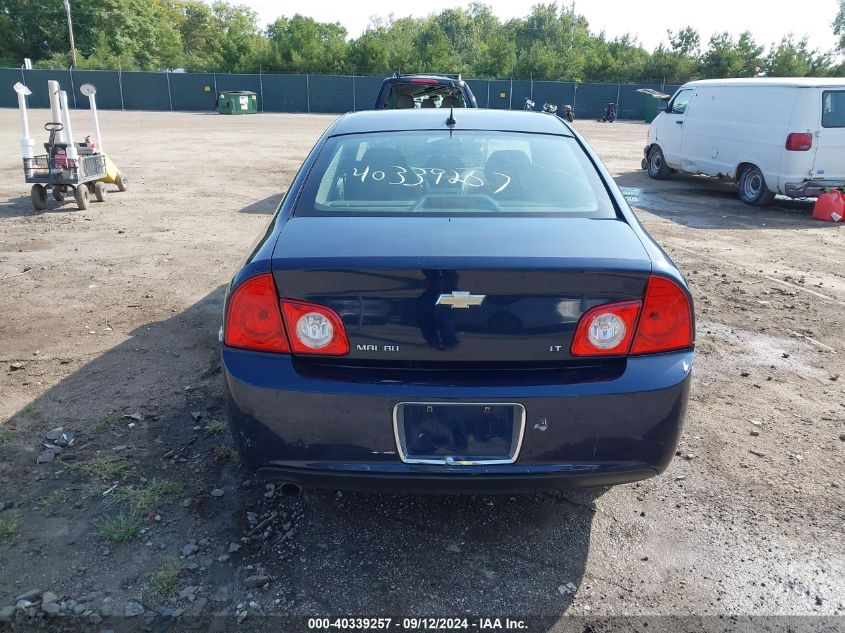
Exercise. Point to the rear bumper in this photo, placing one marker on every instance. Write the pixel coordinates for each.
(427, 483)
(811, 188)
(337, 433)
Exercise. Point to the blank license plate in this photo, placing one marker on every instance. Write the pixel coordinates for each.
(458, 433)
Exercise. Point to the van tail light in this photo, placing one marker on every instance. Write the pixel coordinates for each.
(314, 329)
(662, 322)
(423, 80)
(253, 318)
(799, 141)
(257, 320)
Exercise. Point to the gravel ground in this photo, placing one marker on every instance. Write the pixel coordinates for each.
(108, 330)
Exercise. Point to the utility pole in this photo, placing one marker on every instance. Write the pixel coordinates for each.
(70, 31)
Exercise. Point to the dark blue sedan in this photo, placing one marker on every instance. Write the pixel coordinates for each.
(458, 303)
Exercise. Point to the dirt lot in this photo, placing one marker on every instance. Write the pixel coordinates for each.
(109, 328)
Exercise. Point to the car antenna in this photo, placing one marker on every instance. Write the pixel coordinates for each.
(450, 122)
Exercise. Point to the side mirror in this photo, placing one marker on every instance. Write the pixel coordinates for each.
(663, 105)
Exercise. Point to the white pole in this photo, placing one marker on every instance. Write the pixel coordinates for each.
(56, 108)
(27, 144)
(71, 147)
(70, 31)
(92, 99)
(24, 119)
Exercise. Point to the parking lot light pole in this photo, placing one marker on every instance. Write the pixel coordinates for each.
(70, 31)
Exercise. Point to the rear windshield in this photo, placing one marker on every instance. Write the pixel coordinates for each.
(833, 108)
(465, 172)
(424, 95)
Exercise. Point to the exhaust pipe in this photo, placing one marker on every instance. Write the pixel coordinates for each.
(289, 489)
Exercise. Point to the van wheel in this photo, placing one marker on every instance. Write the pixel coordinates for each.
(752, 187)
(657, 167)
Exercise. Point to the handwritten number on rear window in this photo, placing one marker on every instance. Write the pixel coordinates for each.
(419, 172)
(507, 181)
(398, 177)
(400, 172)
(469, 179)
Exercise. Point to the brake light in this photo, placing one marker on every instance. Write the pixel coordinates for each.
(606, 329)
(314, 329)
(423, 80)
(666, 319)
(256, 319)
(662, 322)
(253, 318)
(799, 141)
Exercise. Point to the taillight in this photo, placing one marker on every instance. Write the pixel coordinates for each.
(606, 329)
(799, 141)
(662, 322)
(256, 319)
(253, 318)
(423, 80)
(314, 329)
(666, 319)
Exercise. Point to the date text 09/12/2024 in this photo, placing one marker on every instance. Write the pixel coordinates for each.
(416, 624)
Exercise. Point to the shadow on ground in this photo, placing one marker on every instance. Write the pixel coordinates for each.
(428, 555)
(328, 553)
(268, 205)
(706, 203)
(22, 205)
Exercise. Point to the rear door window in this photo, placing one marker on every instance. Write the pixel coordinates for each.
(833, 108)
(437, 172)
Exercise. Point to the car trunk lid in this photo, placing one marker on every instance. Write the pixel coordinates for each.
(474, 290)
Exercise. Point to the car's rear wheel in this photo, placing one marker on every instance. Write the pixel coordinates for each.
(657, 167)
(753, 189)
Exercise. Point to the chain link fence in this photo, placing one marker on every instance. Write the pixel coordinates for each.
(185, 92)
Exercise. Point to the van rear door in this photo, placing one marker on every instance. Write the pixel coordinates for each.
(830, 139)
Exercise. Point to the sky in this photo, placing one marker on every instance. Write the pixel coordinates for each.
(647, 19)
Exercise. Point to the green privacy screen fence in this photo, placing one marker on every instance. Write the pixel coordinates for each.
(303, 93)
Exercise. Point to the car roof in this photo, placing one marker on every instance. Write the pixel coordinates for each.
(797, 82)
(435, 118)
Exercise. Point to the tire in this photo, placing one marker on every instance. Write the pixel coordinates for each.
(59, 193)
(100, 191)
(753, 189)
(122, 182)
(38, 195)
(656, 166)
(82, 197)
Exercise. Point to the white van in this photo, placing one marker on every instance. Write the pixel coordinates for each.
(770, 135)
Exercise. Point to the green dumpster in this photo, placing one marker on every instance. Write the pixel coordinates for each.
(650, 109)
(237, 102)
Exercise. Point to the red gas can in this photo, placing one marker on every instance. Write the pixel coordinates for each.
(830, 206)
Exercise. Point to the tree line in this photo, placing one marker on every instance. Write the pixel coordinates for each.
(550, 43)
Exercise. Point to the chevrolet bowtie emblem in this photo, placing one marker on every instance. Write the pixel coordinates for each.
(460, 299)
